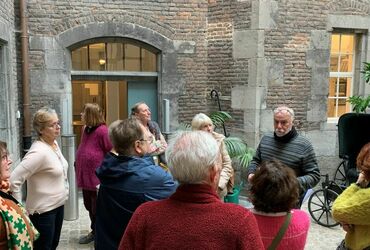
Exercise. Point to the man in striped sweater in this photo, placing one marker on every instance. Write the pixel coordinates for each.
(289, 147)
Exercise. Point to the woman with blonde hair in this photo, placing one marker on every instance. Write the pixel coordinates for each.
(94, 145)
(45, 170)
(226, 182)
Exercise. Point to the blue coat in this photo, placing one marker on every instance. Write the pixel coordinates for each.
(125, 183)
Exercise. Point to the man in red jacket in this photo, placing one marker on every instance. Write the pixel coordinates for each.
(193, 217)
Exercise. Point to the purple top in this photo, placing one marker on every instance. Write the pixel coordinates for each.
(89, 156)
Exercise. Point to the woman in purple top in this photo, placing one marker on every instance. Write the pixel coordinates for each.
(94, 145)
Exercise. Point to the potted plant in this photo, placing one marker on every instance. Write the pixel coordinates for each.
(236, 147)
(238, 150)
(361, 103)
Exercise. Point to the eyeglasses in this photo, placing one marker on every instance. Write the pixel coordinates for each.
(148, 140)
(54, 125)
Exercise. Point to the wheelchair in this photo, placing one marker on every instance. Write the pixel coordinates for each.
(353, 133)
(321, 202)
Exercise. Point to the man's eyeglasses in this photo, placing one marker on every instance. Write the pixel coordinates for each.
(148, 140)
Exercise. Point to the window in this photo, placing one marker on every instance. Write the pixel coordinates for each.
(114, 56)
(341, 74)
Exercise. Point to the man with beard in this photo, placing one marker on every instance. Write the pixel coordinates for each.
(289, 147)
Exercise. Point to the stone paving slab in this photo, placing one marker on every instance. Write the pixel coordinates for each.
(319, 237)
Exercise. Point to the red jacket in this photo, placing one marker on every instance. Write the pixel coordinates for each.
(192, 218)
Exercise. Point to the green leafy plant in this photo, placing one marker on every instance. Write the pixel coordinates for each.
(366, 72)
(361, 103)
(219, 118)
(239, 150)
(236, 147)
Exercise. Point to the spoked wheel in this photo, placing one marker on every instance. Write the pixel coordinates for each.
(340, 175)
(319, 207)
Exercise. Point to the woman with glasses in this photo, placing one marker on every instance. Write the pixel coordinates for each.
(94, 145)
(226, 182)
(45, 170)
(12, 215)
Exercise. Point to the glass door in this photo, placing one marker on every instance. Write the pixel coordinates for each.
(110, 95)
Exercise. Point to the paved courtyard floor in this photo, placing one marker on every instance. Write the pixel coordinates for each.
(319, 237)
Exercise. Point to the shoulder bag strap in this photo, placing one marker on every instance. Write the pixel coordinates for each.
(275, 242)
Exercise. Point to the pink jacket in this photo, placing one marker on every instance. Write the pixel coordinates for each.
(90, 155)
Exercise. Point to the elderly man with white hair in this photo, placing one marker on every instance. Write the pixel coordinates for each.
(289, 147)
(193, 217)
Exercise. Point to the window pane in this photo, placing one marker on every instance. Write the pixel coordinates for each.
(331, 107)
(346, 63)
(343, 106)
(132, 58)
(335, 43)
(97, 56)
(346, 44)
(149, 61)
(341, 61)
(332, 86)
(334, 63)
(342, 88)
(79, 59)
(115, 56)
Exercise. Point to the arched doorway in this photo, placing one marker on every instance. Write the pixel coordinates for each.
(115, 73)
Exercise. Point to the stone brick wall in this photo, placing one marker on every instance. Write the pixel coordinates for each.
(177, 20)
(224, 71)
(9, 77)
(281, 57)
(290, 42)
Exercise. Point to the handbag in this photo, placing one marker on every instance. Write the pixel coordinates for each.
(275, 242)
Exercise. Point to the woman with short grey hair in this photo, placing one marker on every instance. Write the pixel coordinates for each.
(45, 170)
(226, 183)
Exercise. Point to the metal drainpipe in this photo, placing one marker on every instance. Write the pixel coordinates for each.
(25, 77)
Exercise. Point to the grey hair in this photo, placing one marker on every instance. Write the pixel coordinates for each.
(41, 118)
(190, 156)
(135, 108)
(200, 120)
(284, 108)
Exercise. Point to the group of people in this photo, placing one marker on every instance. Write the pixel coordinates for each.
(134, 203)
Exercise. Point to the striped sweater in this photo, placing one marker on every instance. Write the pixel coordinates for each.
(297, 153)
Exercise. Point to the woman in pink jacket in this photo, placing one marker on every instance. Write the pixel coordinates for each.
(94, 145)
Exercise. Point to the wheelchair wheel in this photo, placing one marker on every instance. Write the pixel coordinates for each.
(319, 207)
(340, 175)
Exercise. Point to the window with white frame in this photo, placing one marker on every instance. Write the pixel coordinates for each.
(341, 74)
